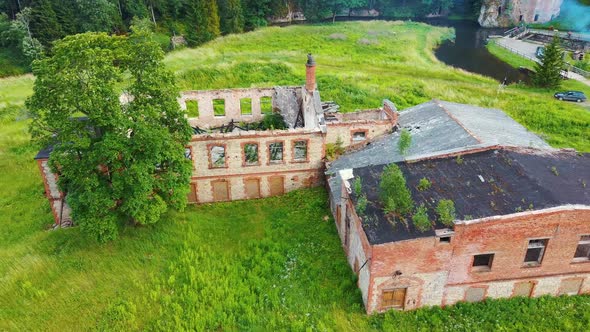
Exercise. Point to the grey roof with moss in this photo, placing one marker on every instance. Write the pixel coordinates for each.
(439, 127)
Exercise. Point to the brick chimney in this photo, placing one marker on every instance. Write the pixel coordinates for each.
(310, 74)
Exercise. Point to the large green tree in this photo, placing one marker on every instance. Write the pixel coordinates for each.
(118, 162)
(548, 71)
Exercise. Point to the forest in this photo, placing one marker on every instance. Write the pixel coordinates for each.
(28, 27)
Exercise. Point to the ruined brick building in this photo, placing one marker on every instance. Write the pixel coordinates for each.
(495, 13)
(233, 162)
(522, 223)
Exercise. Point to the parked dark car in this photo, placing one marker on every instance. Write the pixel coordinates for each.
(571, 96)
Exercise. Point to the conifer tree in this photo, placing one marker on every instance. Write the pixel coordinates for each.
(548, 71)
(44, 25)
(232, 17)
(212, 15)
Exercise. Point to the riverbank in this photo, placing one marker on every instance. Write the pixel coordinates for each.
(260, 264)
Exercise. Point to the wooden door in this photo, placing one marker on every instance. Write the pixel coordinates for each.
(394, 298)
(523, 289)
(277, 185)
(252, 188)
(220, 190)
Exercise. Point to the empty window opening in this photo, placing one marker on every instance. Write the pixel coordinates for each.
(359, 136)
(535, 252)
(445, 239)
(192, 108)
(219, 107)
(483, 262)
(251, 154)
(499, 10)
(583, 250)
(394, 298)
(276, 152)
(300, 150)
(246, 106)
(475, 294)
(520, 18)
(570, 286)
(266, 105)
(188, 153)
(217, 156)
(536, 17)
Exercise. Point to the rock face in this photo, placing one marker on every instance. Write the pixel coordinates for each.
(498, 13)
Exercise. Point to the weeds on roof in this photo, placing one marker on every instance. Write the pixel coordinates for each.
(459, 160)
(446, 211)
(554, 171)
(361, 205)
(393, 192)
(405, 140)
(357, 186)
(420, 219)
(424, 184)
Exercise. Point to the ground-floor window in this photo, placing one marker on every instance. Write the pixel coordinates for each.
(475, 294)
(570, 286)
(394, 298)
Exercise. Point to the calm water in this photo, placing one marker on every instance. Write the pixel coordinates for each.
(468, 51)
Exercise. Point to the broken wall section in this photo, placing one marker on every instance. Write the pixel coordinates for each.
(214, 108)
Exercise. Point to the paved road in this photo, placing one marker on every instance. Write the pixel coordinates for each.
(528, 50)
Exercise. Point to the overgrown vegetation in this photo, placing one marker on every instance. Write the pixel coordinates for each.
(357, 186)
(424, 184)
(334, 150)
(393, 192)
(445, 209)
(420, 219)
(109, 165)
(405, 140)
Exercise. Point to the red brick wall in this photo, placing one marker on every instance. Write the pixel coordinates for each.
(437, 273)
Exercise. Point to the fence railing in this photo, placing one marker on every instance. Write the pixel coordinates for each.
(565, 35)
(569, 67)
(513, 50)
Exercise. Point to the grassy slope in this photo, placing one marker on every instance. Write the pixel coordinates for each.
(285, 263)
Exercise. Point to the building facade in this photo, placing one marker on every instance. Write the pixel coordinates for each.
(521, 225)
(233, 159)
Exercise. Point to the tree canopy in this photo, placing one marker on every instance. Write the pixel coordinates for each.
(119, 162)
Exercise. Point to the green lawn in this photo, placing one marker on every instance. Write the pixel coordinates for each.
(263, 264)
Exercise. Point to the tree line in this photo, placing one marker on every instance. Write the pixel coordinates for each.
(30, 26)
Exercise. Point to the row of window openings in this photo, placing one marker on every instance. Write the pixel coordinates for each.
(217, 153)
(534, 254)
(192, 106)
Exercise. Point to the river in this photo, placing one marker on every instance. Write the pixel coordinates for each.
(467, 51)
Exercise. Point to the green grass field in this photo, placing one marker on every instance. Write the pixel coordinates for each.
(263, 264)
